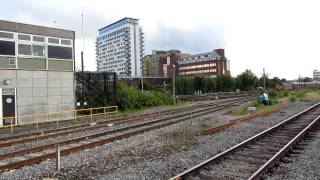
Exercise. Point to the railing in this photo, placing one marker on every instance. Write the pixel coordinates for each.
(57, 117)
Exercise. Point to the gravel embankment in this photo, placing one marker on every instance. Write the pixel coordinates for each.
(150, 155)
(305, 165)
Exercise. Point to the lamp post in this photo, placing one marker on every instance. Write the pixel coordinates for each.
(142, 83)
(264, 79)
(142, 78)
(174, 83)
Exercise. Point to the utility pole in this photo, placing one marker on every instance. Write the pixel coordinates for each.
(174, 83)
(142, 83)
(299, 80)
(142, 64)
(264, 79)
(82, 66)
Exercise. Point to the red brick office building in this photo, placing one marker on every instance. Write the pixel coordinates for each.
(207, 64)
(166, 67)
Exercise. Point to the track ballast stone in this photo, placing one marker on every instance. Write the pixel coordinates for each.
(145, 156)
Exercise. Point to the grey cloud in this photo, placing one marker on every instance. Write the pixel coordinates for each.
(47, 12)
(205, 38)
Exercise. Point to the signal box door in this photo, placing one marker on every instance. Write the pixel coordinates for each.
(8, 109)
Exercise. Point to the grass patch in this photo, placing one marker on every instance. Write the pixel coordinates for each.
(241, 111)
(181, 139)
(278, 97)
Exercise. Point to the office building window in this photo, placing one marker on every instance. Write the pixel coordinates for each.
(53, 40)
(59, 52)
(6, 35)
(7, 48)
(38, 39)
(24, 37)
(12, 61)
(38, 50)
(24, 49)
(65, 42)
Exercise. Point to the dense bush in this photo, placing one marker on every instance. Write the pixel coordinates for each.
(272, 94)
(188, 85)
(131, 98)
(247, 81)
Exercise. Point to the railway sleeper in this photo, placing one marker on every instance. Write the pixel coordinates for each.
(206, 176)
(268, 144)
(230, 173)
(253, 155)
(248, 160)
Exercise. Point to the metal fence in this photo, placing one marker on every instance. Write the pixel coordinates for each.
(95, 89)
(57, 117)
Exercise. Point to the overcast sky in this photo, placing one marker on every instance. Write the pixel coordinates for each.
(282, 36)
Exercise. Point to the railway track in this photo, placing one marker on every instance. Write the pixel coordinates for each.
(253, 157)
(16, 159)
(34, 136)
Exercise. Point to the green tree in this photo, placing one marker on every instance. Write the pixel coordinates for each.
(210, 85)
(225, 83)
(247, 81)
(199, 83)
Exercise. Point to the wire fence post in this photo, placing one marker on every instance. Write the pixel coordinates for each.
(11, 119)
(58, 157)
(105, 114)
(57, 120)
(37, 125)
(91, 114)
(75, 116)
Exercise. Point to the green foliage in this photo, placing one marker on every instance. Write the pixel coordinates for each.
(272, 94)
(131, 98)
(247, 81)
(292, 99)
(225, 83)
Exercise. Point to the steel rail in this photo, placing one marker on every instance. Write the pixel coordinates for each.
(101, 124)
(108, 121)
(33, 160)
(198, 167)
(270, 163)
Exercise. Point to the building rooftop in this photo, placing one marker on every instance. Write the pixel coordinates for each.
(199, 57)
(117, 24)
(35, 29)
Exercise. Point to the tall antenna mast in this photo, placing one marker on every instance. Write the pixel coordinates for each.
(82, 32)
(82, 66)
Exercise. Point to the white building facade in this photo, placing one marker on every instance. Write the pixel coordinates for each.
(120, 48)
(316, 74)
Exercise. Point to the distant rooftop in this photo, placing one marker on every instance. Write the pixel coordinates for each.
(199, 57)
(35, 29)
(116, 24)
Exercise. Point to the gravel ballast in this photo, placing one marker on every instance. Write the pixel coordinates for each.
(150, 155)
(305, 165)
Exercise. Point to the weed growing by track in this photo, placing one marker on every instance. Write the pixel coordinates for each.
(277, 97)
(181, 139)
